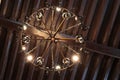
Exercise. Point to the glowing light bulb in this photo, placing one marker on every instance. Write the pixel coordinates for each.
(58, 9)
(76, 18)
(0, 1)
(24, 27)
(75, 58)
(29, 57)
(24, 47)
(58, 67)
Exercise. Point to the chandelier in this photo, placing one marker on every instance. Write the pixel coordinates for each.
(48, 38)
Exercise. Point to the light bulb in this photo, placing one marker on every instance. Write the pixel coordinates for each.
(58, 67)
(0, 2)
(24, 47)
(76, 18)
(24, 27)
(58, 9)
(29, 57)
(75, 58)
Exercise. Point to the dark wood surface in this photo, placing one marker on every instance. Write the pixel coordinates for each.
(103, 40)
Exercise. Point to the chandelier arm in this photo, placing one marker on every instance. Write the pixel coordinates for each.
(66, 39)
(46, 26)
(46, 49)
(52, 56)
(33, 48)
(39, 39)
(70, 48)
(61, 52)
(36, 32)
(21, 37)
(46, 29)
(59, 27)
(53, 13)
(70, 27)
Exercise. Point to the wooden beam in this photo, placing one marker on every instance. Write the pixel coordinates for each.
(11, 24)
(99, 48)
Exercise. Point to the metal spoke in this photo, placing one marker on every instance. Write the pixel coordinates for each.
(43, 22)
(70, 27)
(39, 39)
(52, 55)
(53, 12)
(68, 39)
(59, 27)
(70, 48)
(33, 48)
(46, 49)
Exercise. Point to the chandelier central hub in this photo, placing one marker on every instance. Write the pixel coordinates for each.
(53, 39)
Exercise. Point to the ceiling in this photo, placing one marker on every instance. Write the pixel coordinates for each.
(101, 17)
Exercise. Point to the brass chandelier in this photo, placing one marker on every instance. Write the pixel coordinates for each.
(48, 38)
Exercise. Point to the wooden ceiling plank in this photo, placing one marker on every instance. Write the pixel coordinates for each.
(36, 5)
(22, 61)
(117, 38)
(95, 28)
(110, 24)
(97, 65)
(2, 39)
(24, 10)
(16, 9)
(89, 59)
(5, 53)
(115, 41)
(115, 72)
(11, 63)
(99, 16)
(4, 7)
(107, 34)
(89, 16)
(82, 7)
(15, 44)
(107, 67)
(105, 42)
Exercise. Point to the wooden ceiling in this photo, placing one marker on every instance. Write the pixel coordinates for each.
(101, 16)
